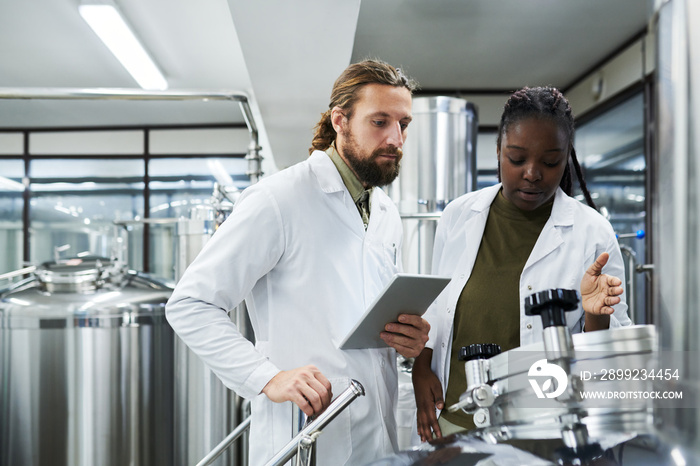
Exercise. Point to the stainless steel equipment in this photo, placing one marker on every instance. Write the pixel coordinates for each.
(676, 206)
(86, 367)
(205, 411)
(192, 233)
(517, 413)
(469, 449)
(535, 405)
(439, 165)
(201, 400)
(504, 393)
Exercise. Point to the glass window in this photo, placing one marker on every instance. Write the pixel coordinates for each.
(82, 200)
(75, 202)
(486, 160)
(11, 207)
(610, 148)
(178, 186)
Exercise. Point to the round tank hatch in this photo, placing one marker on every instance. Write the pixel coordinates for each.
(77, 275)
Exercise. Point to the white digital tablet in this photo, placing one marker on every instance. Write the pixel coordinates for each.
(404, 294)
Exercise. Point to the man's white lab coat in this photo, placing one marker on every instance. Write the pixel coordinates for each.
(296, 249)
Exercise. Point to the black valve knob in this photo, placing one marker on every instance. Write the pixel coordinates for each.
(479, 351)
(551, 305)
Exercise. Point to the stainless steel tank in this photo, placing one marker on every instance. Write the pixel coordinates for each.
(439, 165)
(205, 411)
(86, 367)
(676, 209)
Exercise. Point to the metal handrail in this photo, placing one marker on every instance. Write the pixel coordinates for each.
(225, 443)
(254, 158)
(304, 439)
(631, 282)
(9, 278)
(17, 273)
(307, 436)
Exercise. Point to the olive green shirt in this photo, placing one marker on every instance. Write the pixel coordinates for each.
(488, 309)
(359, 194)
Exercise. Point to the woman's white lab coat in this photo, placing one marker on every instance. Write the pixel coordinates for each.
(296, 249)
(569, 243)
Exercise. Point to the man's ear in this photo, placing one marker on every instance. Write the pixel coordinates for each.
(338, 119)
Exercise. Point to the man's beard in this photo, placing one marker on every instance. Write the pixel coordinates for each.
(368, 170)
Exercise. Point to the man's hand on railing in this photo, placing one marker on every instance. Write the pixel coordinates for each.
(305, 386)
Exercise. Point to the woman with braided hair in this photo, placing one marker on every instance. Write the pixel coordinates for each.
(502, 243)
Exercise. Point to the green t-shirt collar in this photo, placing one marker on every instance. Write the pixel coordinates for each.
(349, 178)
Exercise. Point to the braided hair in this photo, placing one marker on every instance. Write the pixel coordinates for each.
(346, 93)
(550, 103)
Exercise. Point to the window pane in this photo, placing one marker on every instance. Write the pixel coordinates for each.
(11, 205)
(177, 186)
(610, 148)
(74, 205)
(486, 160)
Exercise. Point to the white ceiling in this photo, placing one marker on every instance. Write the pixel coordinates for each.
(286, 54)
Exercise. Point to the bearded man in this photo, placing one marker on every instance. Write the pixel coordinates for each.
(309, 248)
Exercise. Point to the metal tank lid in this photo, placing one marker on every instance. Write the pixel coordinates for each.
(90, 292)
(77, 275)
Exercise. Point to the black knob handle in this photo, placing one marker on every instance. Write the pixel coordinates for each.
(551, 305)
(479, 351)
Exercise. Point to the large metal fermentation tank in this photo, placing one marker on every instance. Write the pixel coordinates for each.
(439, 165)
(205, 410)
(676, 209)
(86, 368)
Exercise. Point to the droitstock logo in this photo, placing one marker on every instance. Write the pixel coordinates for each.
(544, 371)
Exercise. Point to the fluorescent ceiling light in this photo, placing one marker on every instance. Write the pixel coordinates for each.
(111, 28)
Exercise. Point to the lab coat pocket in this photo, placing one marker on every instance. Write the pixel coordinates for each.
(336, 442)
(380, 263)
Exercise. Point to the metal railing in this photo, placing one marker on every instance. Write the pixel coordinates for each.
(253, 156)
(225, 443)
(637, 313)
(302, 444)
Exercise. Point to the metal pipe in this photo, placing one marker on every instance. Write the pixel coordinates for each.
(631, 288)
(317, 425)
(152, 221)
(225, 443)
(425, 216)
(68, 93)
(17, 273)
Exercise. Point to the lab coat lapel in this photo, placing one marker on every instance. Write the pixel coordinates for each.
(331, 183)
(473, 232)
(551, 237)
